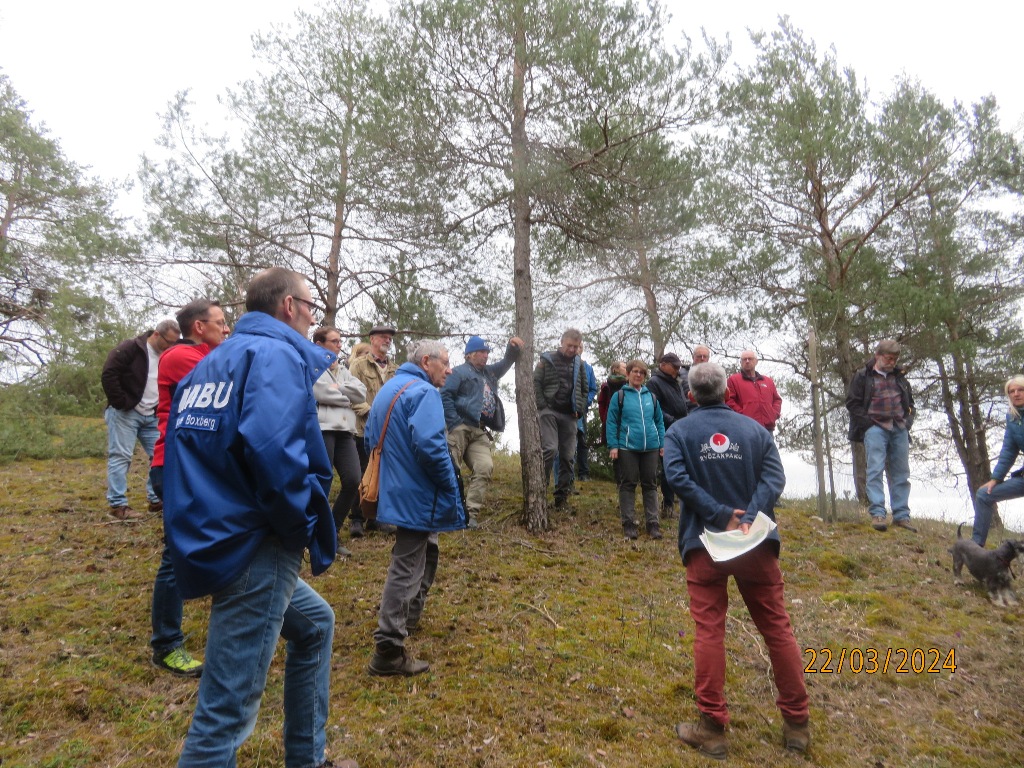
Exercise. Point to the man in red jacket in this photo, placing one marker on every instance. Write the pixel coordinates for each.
(202, 321)
(753, 395)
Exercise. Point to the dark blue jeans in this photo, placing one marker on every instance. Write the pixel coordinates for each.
(168, 606)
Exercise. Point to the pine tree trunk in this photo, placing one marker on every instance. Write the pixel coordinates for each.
(535, 513)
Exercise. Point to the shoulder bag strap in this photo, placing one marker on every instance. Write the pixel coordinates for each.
(387, 418)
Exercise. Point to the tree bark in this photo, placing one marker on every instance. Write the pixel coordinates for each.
(535, 513)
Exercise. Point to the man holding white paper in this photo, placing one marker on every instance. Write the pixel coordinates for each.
(725, 468)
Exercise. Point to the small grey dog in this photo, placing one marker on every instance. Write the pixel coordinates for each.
(989, 566)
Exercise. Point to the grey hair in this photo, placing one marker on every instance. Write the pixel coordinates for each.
(425, 348)
(888, 347)
(167, 325)
(707, 383)
(266, 290)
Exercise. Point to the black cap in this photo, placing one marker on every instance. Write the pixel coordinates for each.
(671, 358)
(382, 329)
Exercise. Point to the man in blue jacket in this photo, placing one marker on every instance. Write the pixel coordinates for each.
(419, 494)
(725, 468)
(472, 410)
(246, 479)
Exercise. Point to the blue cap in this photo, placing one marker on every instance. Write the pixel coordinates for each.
(476, 344)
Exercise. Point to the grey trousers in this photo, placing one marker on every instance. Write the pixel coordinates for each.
(638, 467)
(558, 437)
(411, 572)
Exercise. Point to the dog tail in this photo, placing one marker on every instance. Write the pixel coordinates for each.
(958, 530)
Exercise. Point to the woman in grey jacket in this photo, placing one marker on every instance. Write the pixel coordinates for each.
(636, 438)
(336, 391)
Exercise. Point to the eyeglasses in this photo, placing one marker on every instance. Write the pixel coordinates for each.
(313, 309)
(169, 341)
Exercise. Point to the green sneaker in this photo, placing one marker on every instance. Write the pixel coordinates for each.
(179, 662)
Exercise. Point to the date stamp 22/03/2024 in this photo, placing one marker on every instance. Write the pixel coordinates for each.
(871, 661)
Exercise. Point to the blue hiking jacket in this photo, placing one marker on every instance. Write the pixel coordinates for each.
(463, 392)
(639, 424)
(718, 460)
(1013, 446)
(418, 489)
(245, 458)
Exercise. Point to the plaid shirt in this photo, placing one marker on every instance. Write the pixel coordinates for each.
(886, 408)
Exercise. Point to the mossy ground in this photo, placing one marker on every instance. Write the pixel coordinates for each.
(573, 648)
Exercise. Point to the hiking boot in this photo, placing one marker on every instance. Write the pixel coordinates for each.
(471, 522)
(878, 522)
(124, 512)
(156, 507)
(796, 736)
(561, 502)
(342, 764)
(905, 524)
(629, 530)
(706, 736)
(654, 531)
(667, 511)
(344, 551)
(373, 525)
(179, 662)
(355, 529)
(395, 661)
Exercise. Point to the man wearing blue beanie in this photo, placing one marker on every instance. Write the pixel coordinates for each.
(472, 411)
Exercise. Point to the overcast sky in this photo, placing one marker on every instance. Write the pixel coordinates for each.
(99, 73)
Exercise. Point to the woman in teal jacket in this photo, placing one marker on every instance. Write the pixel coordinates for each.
(636, 438)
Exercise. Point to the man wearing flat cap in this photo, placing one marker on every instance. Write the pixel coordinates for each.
(665, 384)
(472, 411)
(373, 369)
(881, 408)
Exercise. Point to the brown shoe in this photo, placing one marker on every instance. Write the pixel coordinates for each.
(905, 524)
(706, 736)
(796, 736)
(156, 507)
(124, 512)
(878, 522)
(391, 661)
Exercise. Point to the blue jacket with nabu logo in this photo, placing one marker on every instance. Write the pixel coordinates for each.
(245, 457)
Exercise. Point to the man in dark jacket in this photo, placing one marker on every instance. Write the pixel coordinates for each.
(419, 494)
(246, 481)
(726, 469)
(560, 386)
(881, 410)
(472, 410)
(129, 381)
(665, 384)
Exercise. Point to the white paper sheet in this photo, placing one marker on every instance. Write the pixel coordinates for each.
(725, 545)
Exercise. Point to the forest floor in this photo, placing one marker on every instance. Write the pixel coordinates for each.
(571, 648)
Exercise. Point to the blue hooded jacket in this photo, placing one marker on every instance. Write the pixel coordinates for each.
(418, 489)
(245, 458)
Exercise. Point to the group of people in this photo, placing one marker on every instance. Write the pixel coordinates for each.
(245, 441)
